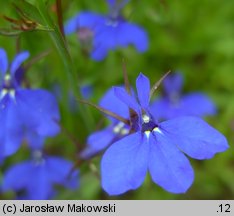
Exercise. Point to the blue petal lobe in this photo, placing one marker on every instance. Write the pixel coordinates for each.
(35, 141)
(17, 177)
(3, 61)
(173, 83)
(195, 137)
(143, 90)
(18, 60)
(82, 20)
(198, 104)
(98, 141)
(124, 164)
(39, 188)
(168, 167)
(104, 40)
(60, 171)
(99, 53)
(112, 103)
(129, 33)
(162, 108)
(11, 127)
(40, 111)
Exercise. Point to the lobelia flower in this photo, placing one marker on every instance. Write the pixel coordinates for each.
(174, 104)
(107, 32)
(159, 148)
(100, 140)
(35, 178)
(23, 111)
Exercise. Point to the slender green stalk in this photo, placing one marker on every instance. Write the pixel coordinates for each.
(60, 16)
(66, 59)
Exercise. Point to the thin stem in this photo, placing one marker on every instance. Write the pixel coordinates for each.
(67, 60)
(60, 16)
(107, 112)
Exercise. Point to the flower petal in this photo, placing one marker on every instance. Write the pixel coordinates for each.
(98, 141)
(129, 33)
(3, 61)
(35, 141)
(18, 60)
(195, 137)
(11, 127)
(17, 177)
(161, 108)
(40, 111)
(198, 104)
(124, 164)
(173, 83)
(112, 103)
(143, 90)
(82, 20)
(104, 40)
(127, 99)
(168, 166)
(60, 171)
(99, 53)
(39, 188)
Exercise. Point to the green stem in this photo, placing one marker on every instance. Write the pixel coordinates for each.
(61, 46)
(60, 16)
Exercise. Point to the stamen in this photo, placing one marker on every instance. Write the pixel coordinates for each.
(118, 127)
(12, 93)
(3, 93)
(147, 133)
(156, 129)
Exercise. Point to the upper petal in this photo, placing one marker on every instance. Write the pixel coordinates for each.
(18, 60)
(195, 137)
(40, 111)
(173, 83)
(112, 103)
(168, 166)
(3, 61)
(143, 90)
(124, 164)
(83, 19)
(127, 99)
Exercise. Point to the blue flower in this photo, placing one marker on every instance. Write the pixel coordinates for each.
(100, 140)
(157, 147)
(109, 31)
(36, 177)
(174, 104)
(23, 111)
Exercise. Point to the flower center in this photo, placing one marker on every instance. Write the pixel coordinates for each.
(148, 123)
(37, 157)
(112, 22)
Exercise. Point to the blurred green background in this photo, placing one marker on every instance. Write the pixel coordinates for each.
(195, 37)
